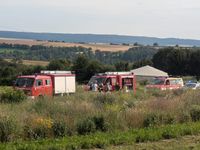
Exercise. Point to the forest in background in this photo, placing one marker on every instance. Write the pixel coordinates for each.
(177, 61)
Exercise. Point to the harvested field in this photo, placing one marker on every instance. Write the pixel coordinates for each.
(32, 62)
(94, 47)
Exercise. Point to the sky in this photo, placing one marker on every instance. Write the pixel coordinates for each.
(154, 18)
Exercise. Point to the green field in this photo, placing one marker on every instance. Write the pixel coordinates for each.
(98, 120)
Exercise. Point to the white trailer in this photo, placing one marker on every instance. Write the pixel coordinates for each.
(64, 82)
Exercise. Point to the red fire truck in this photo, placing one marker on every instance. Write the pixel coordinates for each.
(117, 81)
(47, 83)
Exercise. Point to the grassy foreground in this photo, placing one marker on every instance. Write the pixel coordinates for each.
(102, 140)
(96, 120)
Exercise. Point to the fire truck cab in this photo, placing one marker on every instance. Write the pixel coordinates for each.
(117, 81)
(48, 83)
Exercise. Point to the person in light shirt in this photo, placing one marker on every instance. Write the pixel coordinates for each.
(95, 86)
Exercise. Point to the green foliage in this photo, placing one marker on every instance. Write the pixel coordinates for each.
(86, 126)
(102, 140)
(155, 119)
(195, 113)
(59, 128)
(151, 119)
(122, 66)
(178, 61)
(91, 125)
(59, 64)
(12, 96)
(142, 63)
(7, 129)
(100, 123)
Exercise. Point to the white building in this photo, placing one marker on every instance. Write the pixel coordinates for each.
(148, 73)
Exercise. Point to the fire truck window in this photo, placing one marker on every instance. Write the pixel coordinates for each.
(38, 82)
(167, 82)
(127, 81)
(108, 80)
(114, 81)
(47, 82)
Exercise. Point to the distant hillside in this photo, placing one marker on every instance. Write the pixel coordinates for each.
(94, 38)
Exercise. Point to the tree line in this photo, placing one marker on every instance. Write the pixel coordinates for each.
(83, 66)
(39, 52)
(178, 61)
(174, 60)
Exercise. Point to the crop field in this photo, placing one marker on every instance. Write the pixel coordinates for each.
(98, 120)
(94, 47)
(32, 62)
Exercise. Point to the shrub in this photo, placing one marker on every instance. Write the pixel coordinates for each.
(86, 126)
(59, 129)
(7, 128)
(195, 113)
(100, 123)
(38, 128)
(169, 133)
(151, 120)
(12, 96)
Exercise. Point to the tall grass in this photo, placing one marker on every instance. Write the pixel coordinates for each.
(53, 117)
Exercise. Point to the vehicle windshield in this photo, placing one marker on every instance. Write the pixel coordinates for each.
(99, 80)
(190, 85)
(24, 82)
(157, 82)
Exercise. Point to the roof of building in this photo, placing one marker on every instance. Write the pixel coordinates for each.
(149, 71)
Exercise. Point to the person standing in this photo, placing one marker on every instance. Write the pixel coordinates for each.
(95, 87)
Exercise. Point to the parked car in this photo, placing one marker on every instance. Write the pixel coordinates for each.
(166, 83)
(192, 85)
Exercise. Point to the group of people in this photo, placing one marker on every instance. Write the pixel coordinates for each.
(101, 87)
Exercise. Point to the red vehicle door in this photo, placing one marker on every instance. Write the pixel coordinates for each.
(48, 89)
(39, 87)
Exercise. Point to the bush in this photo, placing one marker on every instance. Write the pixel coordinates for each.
(12, 96)
(38, 128)
(59, 129)
(100, 123)
(195, 113)
(151, 120)
(7, 128)
(154, 119)
(86, 126)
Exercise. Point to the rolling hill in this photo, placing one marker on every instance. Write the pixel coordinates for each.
(95, 38)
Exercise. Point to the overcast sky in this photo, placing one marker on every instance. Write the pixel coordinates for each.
(157, 18)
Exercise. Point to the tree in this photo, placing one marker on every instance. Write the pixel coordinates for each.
(195, 63)
(142, 63)
(60, 64)
(122, 66)
(80, 67)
